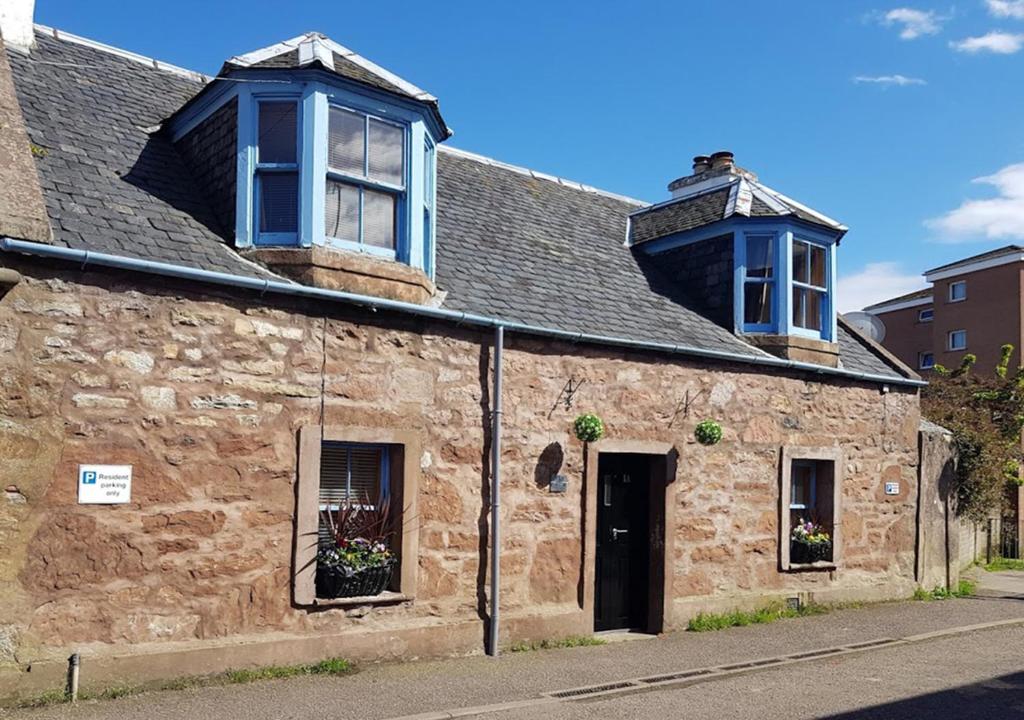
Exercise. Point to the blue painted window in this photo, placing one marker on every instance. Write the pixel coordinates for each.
(428, 207)
(810, 286)
(277, 173)
(759, 283)
(366, 180)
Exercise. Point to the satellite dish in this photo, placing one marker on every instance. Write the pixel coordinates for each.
(867, 323)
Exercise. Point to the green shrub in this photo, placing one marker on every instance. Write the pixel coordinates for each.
(708, 432)
(588, 428)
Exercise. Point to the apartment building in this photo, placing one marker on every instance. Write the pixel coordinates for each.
(973, 306)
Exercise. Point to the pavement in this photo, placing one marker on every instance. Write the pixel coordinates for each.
(934, 653)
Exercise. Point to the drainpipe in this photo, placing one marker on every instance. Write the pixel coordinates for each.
(499, 341)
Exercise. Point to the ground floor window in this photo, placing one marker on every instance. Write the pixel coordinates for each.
(810, 523)
(356, 502)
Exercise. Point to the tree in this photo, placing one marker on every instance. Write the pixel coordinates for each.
(985, 415)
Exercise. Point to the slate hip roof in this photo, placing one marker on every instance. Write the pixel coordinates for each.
(510, 244)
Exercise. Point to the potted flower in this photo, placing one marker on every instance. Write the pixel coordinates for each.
(356, 559)
(809, 543)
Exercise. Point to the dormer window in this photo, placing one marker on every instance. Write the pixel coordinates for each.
(276, 182)
(366, 180)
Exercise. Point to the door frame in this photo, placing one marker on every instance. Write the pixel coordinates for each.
(664, 460)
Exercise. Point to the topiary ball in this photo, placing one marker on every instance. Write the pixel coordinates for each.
(588, 427)
(708, 432)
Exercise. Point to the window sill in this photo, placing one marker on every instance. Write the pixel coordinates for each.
(385, 598)
(811, 567)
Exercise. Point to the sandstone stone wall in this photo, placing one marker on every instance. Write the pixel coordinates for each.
(204, 394)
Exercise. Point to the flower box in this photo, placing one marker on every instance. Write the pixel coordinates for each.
(803, 553)
(339, 582)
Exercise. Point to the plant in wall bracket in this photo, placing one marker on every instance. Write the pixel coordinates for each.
(708, 432)
(588, 428)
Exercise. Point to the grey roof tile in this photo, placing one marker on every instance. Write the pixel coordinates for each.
(511, 245)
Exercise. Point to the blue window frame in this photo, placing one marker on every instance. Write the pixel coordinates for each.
(276, 173)
(759, 282)
(810, 298)
(925, 360)
(428, 207)
(367, 169)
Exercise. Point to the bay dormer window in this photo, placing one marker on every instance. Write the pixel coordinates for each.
(366, 181)
(786, 275)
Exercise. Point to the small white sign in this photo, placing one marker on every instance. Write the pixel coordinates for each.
(104, 484)
(892, 488)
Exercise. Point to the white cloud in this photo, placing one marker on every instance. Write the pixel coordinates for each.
(914, 23)
(998, 218)
(1006, 8)
(889, 80)
(878, 281)
(1002, 43)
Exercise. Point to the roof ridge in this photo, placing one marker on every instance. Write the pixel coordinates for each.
(541, 176)
(119, 52)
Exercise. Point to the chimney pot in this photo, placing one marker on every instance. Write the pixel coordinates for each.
(723, 160)
(701, 163)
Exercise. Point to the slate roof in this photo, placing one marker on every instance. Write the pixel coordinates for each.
(719, 195)
(512, 244)
(916, 295)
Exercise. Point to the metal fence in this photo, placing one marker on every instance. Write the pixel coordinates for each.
(1009, 546)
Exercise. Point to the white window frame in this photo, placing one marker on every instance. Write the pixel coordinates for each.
(931, 315)
(920, 360)
(958, 283)
(949, 341)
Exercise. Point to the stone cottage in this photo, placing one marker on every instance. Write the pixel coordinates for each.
(238, 299)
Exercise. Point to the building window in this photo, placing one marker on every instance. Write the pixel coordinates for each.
(925, 361)
(958, 291)
(958, 340)
(926, 315)
(810, 289)
(759, 282)
(277, 173)
(366, 180)
(809, 535)
(351, 474)
(345, 466)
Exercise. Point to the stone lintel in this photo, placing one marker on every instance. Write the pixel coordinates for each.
(801, 349)
(354, 272)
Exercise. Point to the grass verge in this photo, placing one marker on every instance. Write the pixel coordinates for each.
(566, 642)
(965, 588)
(1000, 564)
(706, 622)
(331, 666)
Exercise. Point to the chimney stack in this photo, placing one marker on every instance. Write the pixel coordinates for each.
(16, 24)
(701, 163)
(706, 168)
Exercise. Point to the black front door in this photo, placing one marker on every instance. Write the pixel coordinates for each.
(623, 545)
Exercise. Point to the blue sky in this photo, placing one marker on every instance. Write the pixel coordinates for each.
(882, 116)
